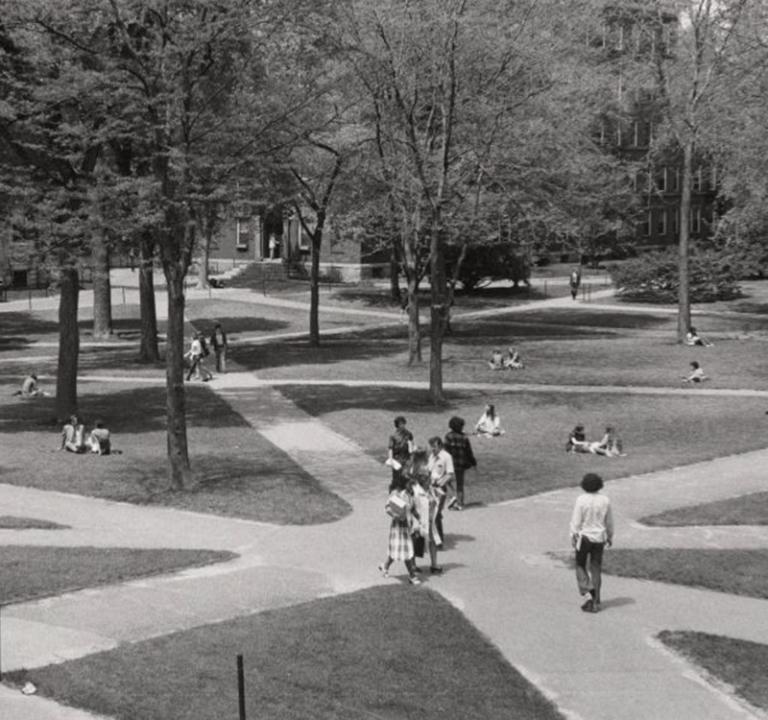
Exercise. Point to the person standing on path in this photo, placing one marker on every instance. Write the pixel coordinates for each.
(219, 345)
(591, 531)
(441, 474)
(460, 449)
(575, 281)
(425, 502)
(400, 540)
(399, 449)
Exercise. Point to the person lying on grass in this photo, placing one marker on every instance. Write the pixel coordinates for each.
(577, 441)
(697, 374)
(610, 445)
(513, 360)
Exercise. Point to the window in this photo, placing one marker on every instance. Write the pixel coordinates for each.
(675, 180)
(698, 183)
(645, 225)
(676, 221)
(695, 220)
(660, 180)
(243, 234)
(635, 133)
(661, 223)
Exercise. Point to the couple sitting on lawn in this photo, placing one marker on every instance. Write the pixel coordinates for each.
(609, 446)
(511, 362)
(73, 438)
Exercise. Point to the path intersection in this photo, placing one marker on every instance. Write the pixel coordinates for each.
(500, 572)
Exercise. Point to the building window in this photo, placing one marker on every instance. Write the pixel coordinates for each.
(645, 225)
(698, 183)
(676, 221)
(675, 180)
(661, 223)
(661, 180)
(635, 133)
(696, 220)
(243, 234)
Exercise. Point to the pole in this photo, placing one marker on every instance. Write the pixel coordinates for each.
(1, 663)
(123, 295)
(240, 687)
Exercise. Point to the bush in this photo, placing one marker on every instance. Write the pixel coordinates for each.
(653, 277)
(489, 261)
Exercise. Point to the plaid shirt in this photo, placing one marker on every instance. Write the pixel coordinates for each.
(457, 444)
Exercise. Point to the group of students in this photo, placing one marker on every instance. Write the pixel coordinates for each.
(73, 437)
(510, 361)
(423, 484)
(198, 351)
(610, 445)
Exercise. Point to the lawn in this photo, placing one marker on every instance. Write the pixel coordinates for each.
(738, 572)
(738, 664)
(11, 522)
(749, 509)
(237, 471)
(530, 457)
(386, 652)
(32, 572)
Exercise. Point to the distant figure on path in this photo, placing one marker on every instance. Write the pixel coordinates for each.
(99, 440)
(591, 531)
(697, 374)
(29, 388)
(460, 449)
(219, 345)
(196, 353)
(575, 281)
(489, 424)
(497, 360)
(577, 440)
(400, 541)
(73, 436)
(272, 247)
(399, 449)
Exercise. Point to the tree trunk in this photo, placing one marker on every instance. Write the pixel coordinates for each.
(102, 290)
(205, 253)
(683, 296)
(314, 288)
(414, 329)
(148, 349)
(69, 343)
(438, 314)
(394, 272)
(179, 469)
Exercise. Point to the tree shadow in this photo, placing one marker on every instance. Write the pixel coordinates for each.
(134, 410)
(235, 324)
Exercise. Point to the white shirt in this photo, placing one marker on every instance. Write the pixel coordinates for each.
(592, 518)
(441, 468)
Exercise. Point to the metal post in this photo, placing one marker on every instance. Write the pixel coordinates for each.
(240, 687)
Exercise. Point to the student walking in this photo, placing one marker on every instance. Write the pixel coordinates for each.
(460, 449)
(425, 503)
(219, 345)
(591, 531)
(400, 540)
(399, 449)
(441, 475)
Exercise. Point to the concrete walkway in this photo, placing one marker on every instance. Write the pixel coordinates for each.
(499, 572)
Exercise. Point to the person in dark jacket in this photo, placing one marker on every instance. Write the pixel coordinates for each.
(460, 449)
(219, 345)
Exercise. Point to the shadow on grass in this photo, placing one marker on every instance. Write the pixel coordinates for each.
(233, 325)
(135, 410)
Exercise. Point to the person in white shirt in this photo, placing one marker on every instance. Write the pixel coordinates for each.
(591, 531)
(489, 423)
(697, 374)
(441, 475)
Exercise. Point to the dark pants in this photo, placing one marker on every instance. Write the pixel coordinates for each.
(459, 472)
(589, 565)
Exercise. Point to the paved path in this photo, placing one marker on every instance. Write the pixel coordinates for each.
(499, 573)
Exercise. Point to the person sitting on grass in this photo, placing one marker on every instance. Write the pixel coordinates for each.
(29, 388)
(99, 439)
(577, 441)
(513, 361)
(489, 423)
(697, 374)
(72, 436)
(497, 360)
(693, 338)
(610, 445)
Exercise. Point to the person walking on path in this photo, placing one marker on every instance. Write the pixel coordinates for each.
(591, 531)
(219, 345)
(400, 540)
(575, 281)
(441, 475)
(399, 449)
(425, 502)
(460, 449)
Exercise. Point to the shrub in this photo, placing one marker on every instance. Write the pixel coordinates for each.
(653, 277)
(490, 261)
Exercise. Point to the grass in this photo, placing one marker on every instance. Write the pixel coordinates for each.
(738, 572)
(530, 457)
(331, 659)
(237, 471)
(11, 522)
(749, 509)
(33, 572)
(738, 664)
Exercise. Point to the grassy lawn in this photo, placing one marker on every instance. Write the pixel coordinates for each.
(32, 572)
(11, 522)
(332, 659)
(739, 664)
(739, 572)
(749, 509)
(237, 471)
(530, 457)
